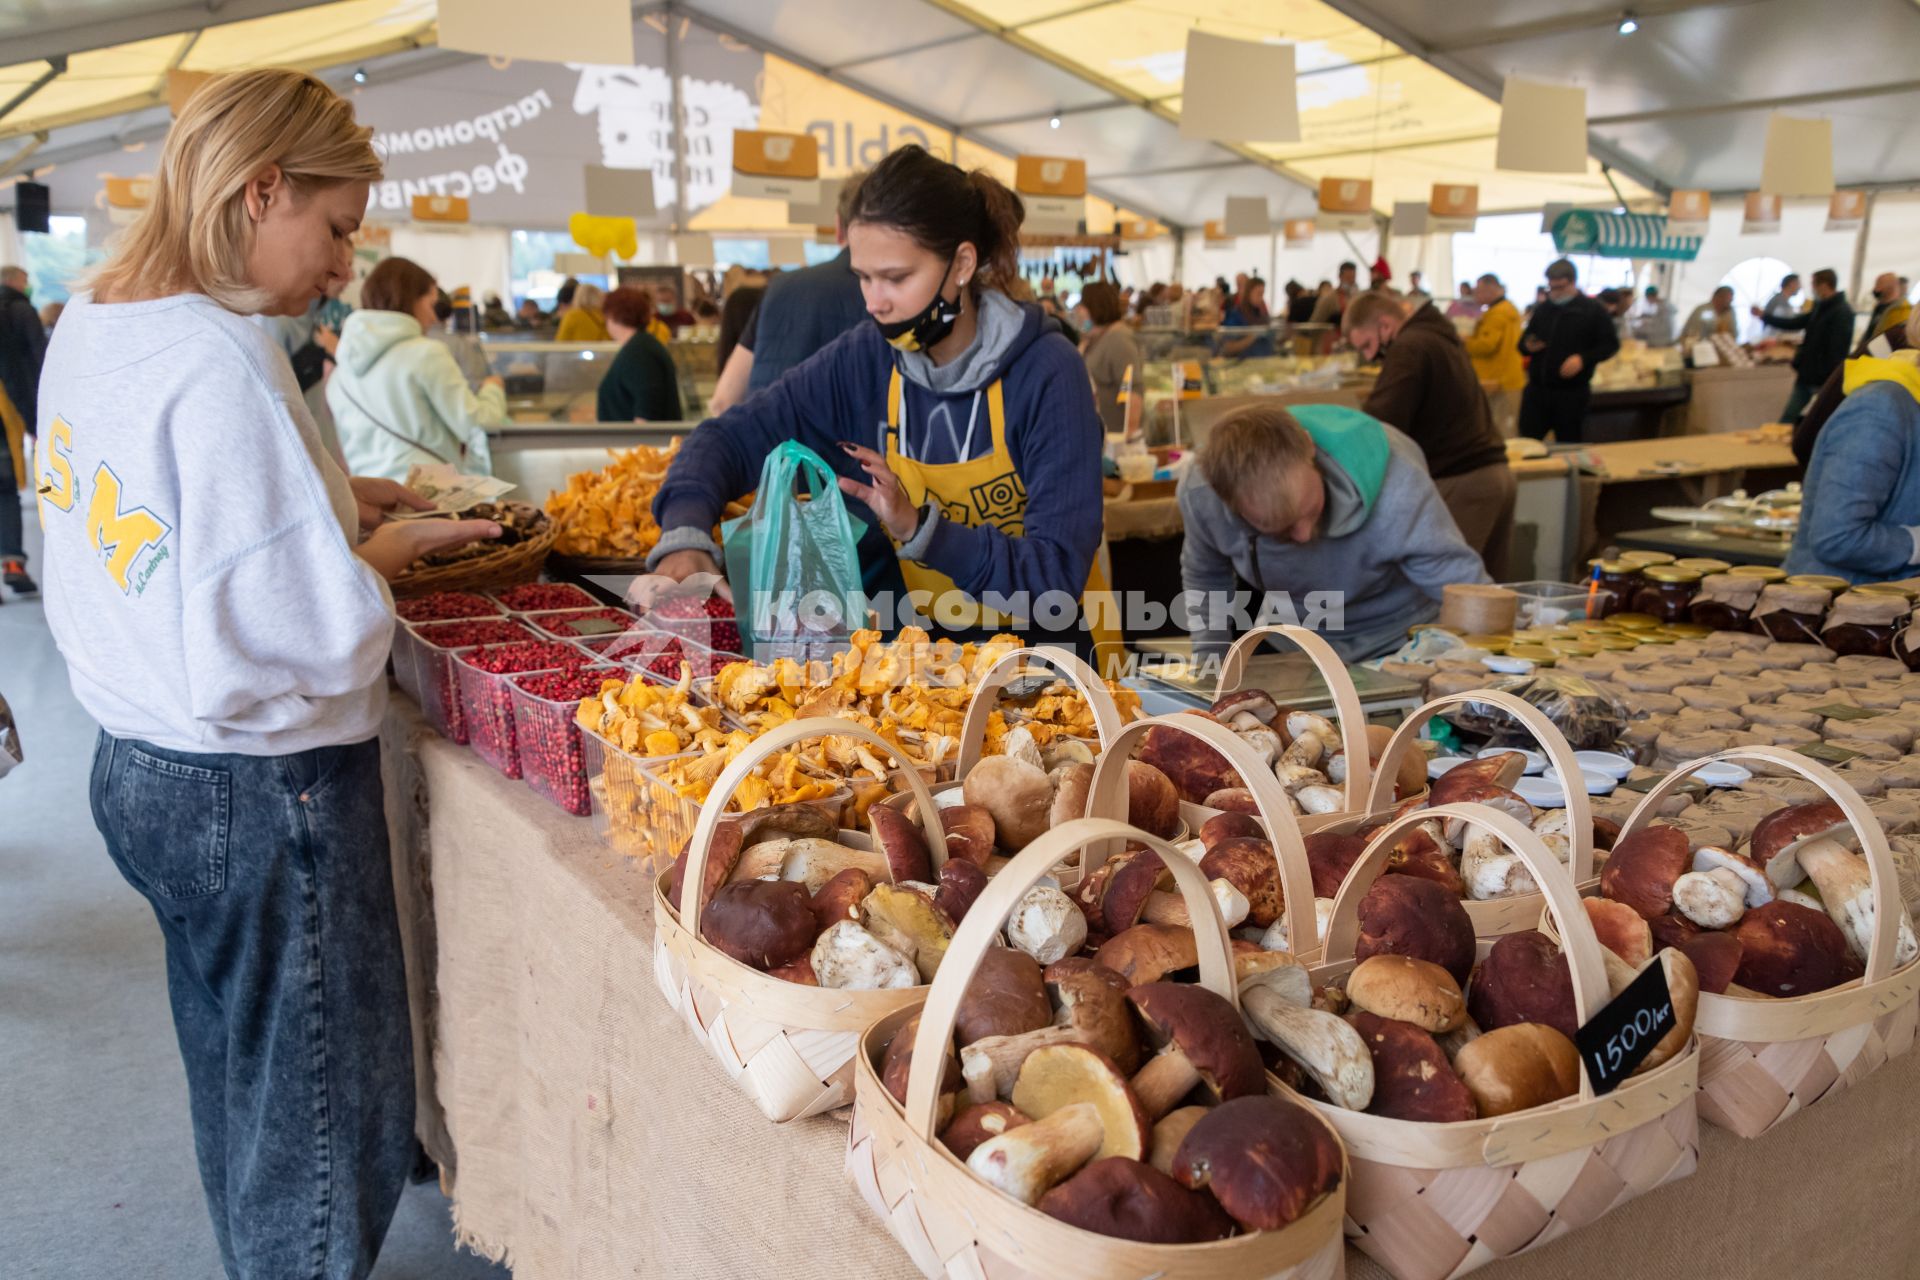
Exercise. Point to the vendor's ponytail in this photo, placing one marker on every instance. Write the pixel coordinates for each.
(941, 206)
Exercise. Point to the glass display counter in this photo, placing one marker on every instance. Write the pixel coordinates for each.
(560, 381)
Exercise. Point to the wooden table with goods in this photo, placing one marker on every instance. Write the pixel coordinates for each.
(1621, 483)
(585, 1133)
(1673, 538)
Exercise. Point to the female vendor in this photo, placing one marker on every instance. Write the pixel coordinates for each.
(960, 422)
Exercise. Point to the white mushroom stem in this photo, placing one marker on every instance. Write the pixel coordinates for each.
(1846, 887)
(1321, 799)
(1491, 870)
(1711, 899)
(850, 958)
(1171, 908)
(1326, 1046)
(1025, 1162)
(1307, 749)
(1337, 767)
(1276, 937)
(1263, 740)
(1306, 724)
(1168, 1077)
(1046, 924)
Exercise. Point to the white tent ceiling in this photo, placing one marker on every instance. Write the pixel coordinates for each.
(1398, 90)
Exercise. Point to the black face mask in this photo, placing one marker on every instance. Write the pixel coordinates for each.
(933, 323)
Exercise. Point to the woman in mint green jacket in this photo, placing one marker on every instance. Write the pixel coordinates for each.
(398, 397)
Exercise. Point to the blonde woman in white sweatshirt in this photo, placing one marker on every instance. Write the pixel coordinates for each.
(216, 583)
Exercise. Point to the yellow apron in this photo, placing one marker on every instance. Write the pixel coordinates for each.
(15, 429)
(987, 491)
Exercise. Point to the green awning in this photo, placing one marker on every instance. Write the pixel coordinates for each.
(1621, 235)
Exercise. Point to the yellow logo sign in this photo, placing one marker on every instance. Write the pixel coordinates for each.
(121, 536)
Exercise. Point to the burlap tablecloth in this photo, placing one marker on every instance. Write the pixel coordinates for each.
(587, 1135)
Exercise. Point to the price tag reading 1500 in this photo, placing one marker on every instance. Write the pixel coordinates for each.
(1619, 1037)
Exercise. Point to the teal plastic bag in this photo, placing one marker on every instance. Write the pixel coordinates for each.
(793, 560)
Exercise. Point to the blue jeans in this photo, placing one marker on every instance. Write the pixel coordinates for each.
(270, 879)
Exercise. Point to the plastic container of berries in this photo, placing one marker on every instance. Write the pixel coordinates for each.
(432, 647)
(544, 597)
(581, 624)
(486, 699)
(447, 606)
(708, 622)
(553, 757)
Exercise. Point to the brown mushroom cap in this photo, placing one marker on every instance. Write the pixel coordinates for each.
(1208, 1030)
(897, 1060)
(1410, 916)
(1234, 800)
(1621, 929)
(970, 833)
(961, 883)
(1130, 884)
(1715, 953)
(1516, 1067)
(1228, 826)
(1412, 1079)
(723, 855)
(1791, 950)
(1524, 978)
(1641, 869)
(1072, 787)
(1417, 853)
(1059, 1075)
(799, 971)
(1006, 997)
(761, 923)
(1152, 803)
(1063, 970)
(1019, 796)
(1411, 779)
(1330, 856)
(1149, 952)
(979, 1121)
(840, 898)
(1248, 864)
(1466, 781)
(1169, 1132)
(1256, 702)
(1267, 1160)
(1195, 769)
(1408, 990)
(1133, 1201)
(901, 842)
(1784, 830)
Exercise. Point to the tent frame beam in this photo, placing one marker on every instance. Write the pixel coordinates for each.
(56, 67)
(81, 37)
(1580, 20)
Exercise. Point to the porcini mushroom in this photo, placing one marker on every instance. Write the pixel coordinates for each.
(1278, 1005)
(761, 923)
(1642, 868)
(1491, 870)
(1621, 929)
(970, 833)
(1006, 997)
(1268, 1161)
(961, 883)
(1523, 978)
(1152, 803)
(812, 861)
(1234, 800)
(1169, 1132)
(1072, 786)
(1082, 1109)
(1046, 925)
(1256, 703)
(1230, 825)
(839, 898)
(1018, 796)
(1411, 916)
(978, 1121)
(1412, 1079)
(1195, 769)
(1330, 856)
(1845, 883)
(1777, 838)
(1408, 990)
(1133, 1201)
(901, 842)
(1202, 1042)
(1090, 1007)
(1720, 888)
(1249, 865)
(907, 921)
(1513, 1068)
(850, 958)
(1788, 950)
(1149, 952)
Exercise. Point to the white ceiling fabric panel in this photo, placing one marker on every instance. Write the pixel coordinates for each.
(978, 79)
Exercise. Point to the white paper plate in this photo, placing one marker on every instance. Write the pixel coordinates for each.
(1505, 665)
(1604, 762)
(1440, 764)
(1596, 783)
(1542, 793)
(1536, 760)
(1722, 773)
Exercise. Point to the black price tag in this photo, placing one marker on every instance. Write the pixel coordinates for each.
(595, 627)
(1826, 753)
(1029, 686)
(1618, 1038)
(1845, 711)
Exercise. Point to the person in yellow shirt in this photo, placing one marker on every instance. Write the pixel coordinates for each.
(583, 322)
(1890, 310)
(1494, 346)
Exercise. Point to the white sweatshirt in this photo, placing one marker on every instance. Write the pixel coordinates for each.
(199, 577)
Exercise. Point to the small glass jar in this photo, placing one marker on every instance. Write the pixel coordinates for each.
(1865, 622)
(1762, 572)
(1791, 614)
(1667, 591)
(1618, 579)
(1641, 559)
(1703, 565)
(1725, 600)
(1819, 582)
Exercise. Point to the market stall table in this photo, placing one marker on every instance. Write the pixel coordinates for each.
(1727, 399)
(1630, 413)
(586, 1134)
(1621, 483)
(1734, 550)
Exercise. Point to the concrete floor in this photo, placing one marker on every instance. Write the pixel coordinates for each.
(97, 1177)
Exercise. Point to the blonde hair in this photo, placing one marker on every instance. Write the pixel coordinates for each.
(1249, 451)
(195, 234)
(589, 297)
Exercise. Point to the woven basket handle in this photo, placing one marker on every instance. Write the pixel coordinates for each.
(1887, 908)
(981, 929)
(1346, 699)
(714, 808)
(1577, 940)
(1550, 740)
(1107, 797)
(986, 696)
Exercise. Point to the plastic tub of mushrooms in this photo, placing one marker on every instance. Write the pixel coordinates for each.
(1805, 950)
(1082, 1162)
(1447, 1063)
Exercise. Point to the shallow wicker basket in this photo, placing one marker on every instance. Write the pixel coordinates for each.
(953, 1224)
(789, 1047)
(1764, 1059)
(501, 567)
(1429, 1201)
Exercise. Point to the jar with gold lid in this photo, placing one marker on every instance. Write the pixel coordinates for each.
(1888, 589)
(1827, 582)
(1763, 572)
(1725, 600)
(1641, 559)
(1618, 580)
(1635, 621)
(1791, 614)
(1865, 622)
(1703, 565)
(1666, 591)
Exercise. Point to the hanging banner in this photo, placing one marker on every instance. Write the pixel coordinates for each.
(1054, 190)
(180, 87)
(1846, 211)
(1346, 204)
(1543, 127)
(1409, 218)
(823, 214)
(693, 249)
(439, 209)
(579, 31)
(1762, 214)
(622, 193)
(1300, 233)
(1688, 211)
(579, 264)
(1799, 157)
(126, 198)
(1142, 229)
(1247, 216)
(1216, 104)
(1215, 233)
(787, 251)
(1453, 207)
(776, 166)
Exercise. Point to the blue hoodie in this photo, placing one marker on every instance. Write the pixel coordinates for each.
(840, 393)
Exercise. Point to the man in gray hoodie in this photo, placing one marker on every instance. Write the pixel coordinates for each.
(1321, 498)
